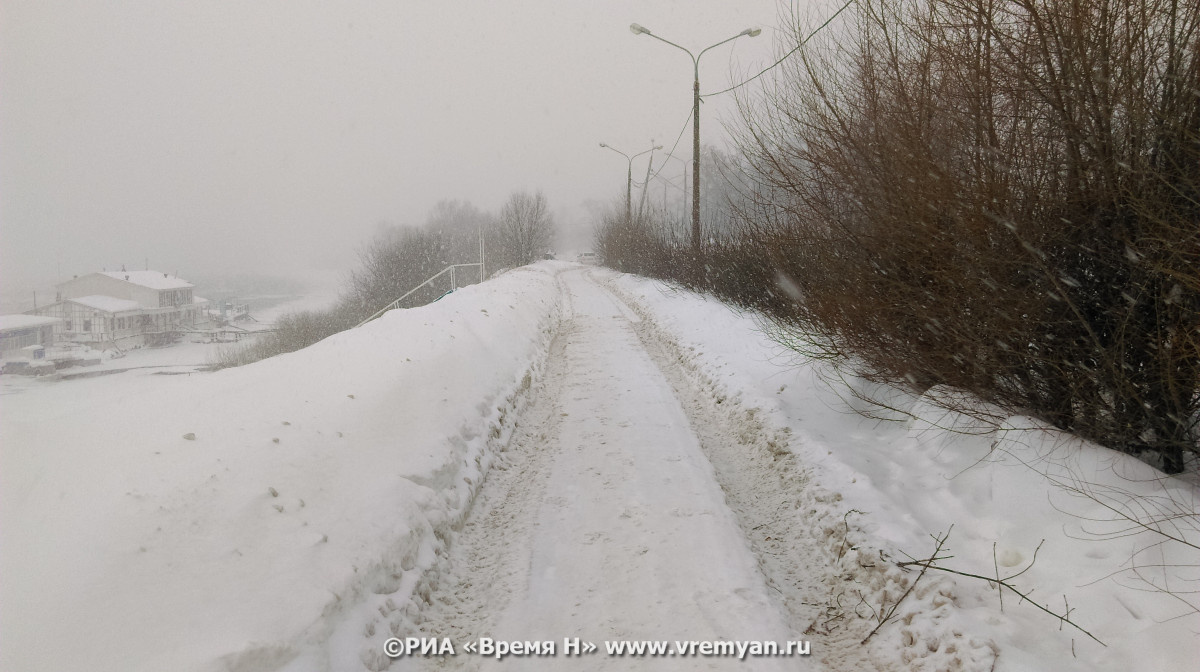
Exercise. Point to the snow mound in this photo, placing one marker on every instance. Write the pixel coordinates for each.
(1088, 533)
(236, 520)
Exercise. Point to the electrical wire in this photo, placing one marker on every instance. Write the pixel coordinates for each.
(785, 56)
(671, 153)
(665, 180)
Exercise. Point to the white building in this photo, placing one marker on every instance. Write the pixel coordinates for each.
(18, 332)
(117, 308)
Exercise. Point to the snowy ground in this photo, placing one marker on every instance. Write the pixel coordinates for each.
(1114, 530)
(560, 452)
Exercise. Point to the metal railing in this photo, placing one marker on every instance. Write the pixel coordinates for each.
(453, 285)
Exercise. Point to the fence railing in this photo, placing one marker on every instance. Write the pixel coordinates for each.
(453, 285)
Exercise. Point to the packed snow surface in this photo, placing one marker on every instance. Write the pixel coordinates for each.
(562, 452)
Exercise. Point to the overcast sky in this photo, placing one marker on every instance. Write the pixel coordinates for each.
(275, 135)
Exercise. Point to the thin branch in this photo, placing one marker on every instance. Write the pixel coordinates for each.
(928, 564)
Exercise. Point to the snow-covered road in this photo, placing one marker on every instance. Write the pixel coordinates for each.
(609, 523)
(562, 452)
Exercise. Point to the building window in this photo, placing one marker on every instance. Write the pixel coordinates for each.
(87, 325)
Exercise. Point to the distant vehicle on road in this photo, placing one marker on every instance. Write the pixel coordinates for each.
(588, 258)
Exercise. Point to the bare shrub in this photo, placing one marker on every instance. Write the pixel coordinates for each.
(394, 262)
(1000, 197)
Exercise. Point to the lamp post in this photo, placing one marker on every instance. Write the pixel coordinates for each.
(750, 32)
(629, 176)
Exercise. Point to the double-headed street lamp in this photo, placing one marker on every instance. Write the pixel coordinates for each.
(749, 32)
(629, 177)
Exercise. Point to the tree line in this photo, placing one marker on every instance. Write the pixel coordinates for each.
(399, 258)
(999, 196)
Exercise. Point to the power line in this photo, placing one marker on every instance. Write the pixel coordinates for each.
(665, 180)
(785, 56)
(674, 146)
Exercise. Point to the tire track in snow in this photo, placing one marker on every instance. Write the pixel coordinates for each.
(500, 555)
(770, 495)
(484, 564)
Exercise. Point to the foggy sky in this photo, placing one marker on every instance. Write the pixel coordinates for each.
(275, 135)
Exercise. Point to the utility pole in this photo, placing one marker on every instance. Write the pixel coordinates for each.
(629, 192)
(696, 158)
(645, 186)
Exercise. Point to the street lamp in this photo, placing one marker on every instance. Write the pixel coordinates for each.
(629, 176)
(749, 32)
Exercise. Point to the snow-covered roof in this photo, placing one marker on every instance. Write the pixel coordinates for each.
(8, 322)
(151, 279)
(108, 304)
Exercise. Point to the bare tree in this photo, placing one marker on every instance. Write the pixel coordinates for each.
(458, 224)
(525, 230)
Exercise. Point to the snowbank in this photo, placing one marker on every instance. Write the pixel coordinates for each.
(234, 520)
(881, 489)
